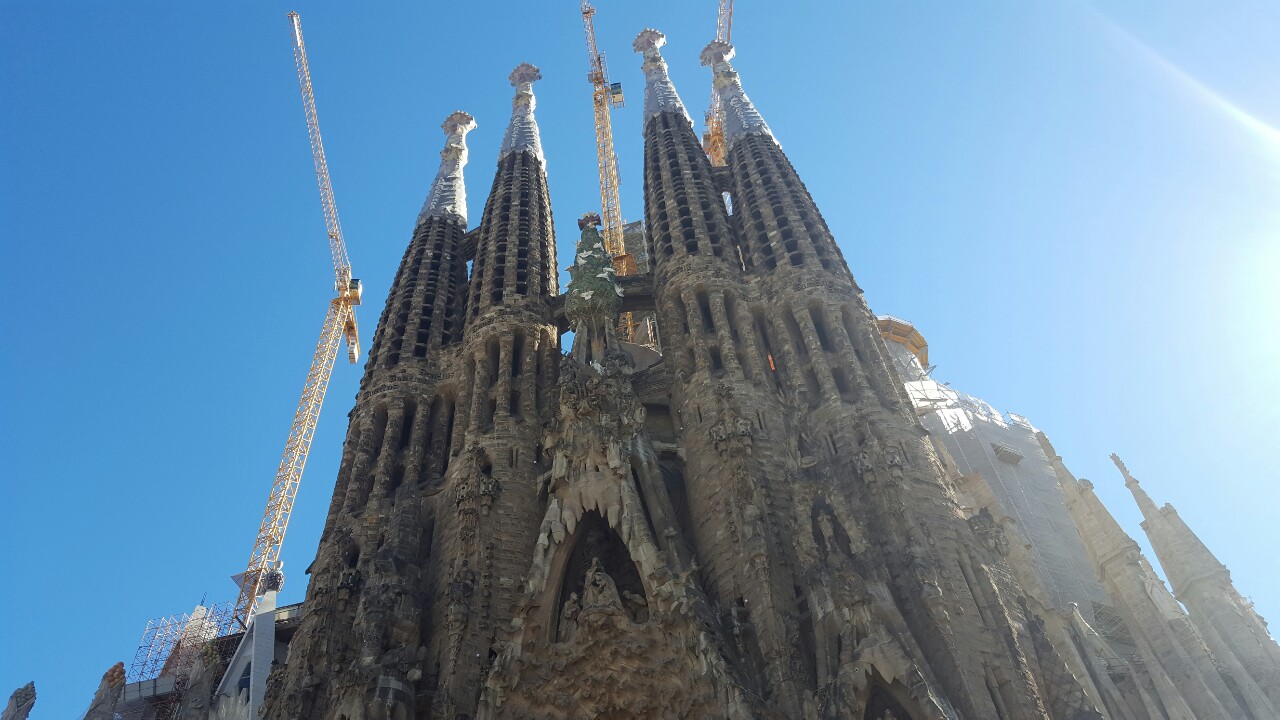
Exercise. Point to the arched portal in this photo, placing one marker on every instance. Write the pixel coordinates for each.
(594, 540)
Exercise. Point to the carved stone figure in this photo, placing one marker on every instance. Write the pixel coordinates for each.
(569, 618)
(990, 532)
(598, 589)
(637, 606)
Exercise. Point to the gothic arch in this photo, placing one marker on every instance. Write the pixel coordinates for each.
(591, 539)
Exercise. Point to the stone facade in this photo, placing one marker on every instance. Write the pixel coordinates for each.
(1064, 548)
(748, 521)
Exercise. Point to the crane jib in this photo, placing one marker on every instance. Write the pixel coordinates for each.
(339, 325)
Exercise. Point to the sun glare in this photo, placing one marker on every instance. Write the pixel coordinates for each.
(1191, 85)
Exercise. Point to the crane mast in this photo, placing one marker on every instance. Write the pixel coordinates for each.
(713, 136)
(339, 325)
(604, 97)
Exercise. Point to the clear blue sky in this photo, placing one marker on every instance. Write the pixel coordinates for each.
(1076, 203)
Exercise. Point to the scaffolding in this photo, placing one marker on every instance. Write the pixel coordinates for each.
(170, 647)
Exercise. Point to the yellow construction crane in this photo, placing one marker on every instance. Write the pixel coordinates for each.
(605, 96)
(713, 136)
(339, 325)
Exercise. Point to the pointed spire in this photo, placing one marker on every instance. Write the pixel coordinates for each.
(522, 133)
(448, 196)
(1102, 535)
(659, 94)
(1144, 501)
(1182, 554)
(740, 115)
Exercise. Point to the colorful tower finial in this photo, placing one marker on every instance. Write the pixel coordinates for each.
(448, 196)
(522, 132)
(659, 94)
(740, 115)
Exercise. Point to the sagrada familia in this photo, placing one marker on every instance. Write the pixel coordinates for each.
(768, 509)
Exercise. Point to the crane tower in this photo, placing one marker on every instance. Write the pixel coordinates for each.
(339, 325)
(605, 96)
(713, 136)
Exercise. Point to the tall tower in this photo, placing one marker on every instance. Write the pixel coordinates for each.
(436, 502)
(367, 623)
(507, 366)
(1181, 678)
(1228, 622)
(874, 508)
(731, 422)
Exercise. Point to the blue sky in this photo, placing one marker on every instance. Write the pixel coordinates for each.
(1076, 203)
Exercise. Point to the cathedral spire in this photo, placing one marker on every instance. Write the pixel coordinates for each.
(1168, 642)
(1231, 627)
(1183, 556)
(740, 115)
(448, 196)
(515, 243)
(522, 132)
(1144, 501)
(660, 95)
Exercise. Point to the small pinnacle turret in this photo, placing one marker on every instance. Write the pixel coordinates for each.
(740, 116)
(1178, 665)
(1231, 628)
(448, 196)
(1181, 554)
(659, 94)
(522, 132)
(1144, 501)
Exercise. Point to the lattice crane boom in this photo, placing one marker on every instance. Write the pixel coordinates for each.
(339, 324)
(713, 138)
(604, 97)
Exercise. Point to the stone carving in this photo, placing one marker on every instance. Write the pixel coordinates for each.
(599, 589)
(569, 618)
(637, 606)
(731, 434)
(862, 463)
(20, 703)
(103, 705)
(458, 593)
(989, 532)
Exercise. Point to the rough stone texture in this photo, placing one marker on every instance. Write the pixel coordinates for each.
(1003, 449)
(1231, 628)
(436, 503)
(20, 703)
(103, 704)
(1178, 675)
(750, 524)
(1001, 469)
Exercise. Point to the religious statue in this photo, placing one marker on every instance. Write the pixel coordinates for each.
(636, 606)
(598, 589)
(569, 618)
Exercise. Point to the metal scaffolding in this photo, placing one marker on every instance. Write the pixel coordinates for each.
(170, 647)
